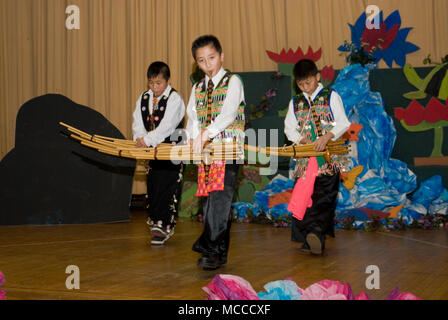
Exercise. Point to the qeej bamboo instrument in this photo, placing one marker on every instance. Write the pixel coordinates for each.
(222, 151)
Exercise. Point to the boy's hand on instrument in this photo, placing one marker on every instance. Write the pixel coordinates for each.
(199, 141)
(205, 133)
(140, 143)
(305, 141)
(196, 145)
(321, 142)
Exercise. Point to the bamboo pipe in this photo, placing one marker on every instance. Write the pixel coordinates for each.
(165, 151)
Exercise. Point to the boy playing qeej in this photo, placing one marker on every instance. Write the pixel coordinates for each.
(315, 115)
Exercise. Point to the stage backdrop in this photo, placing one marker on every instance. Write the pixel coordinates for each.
(103, 63)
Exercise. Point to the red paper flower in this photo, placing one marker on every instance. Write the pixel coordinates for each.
(435, 111)
(399, 113)
(414, 114)
(446, 113)
(387, 43)
(292, 57)
(327, 73)
(379, 38)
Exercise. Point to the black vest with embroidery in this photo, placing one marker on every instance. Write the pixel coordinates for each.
(158, 114)
(312, 127)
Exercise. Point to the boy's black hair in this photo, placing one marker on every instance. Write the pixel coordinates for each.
(159, 67)
(304, 69)
(203, 41)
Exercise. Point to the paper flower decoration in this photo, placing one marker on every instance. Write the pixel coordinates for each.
(294, 56)
(287, 59)
(328, 290)
(2, 281)
(280, 290)
(327, 75)
(416, 118)
(231, 287)
(395, 294)
(387, 43)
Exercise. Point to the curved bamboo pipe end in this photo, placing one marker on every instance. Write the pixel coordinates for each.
(327, 155)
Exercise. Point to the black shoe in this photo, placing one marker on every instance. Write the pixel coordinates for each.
(222, 259)
(314, 243)
(160, 235)
(158, 231)
(158, 241)
(209, 262)
(305, 248)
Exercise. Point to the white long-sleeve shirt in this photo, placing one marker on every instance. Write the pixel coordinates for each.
(337, 108)
(229, 111)
(174, 113)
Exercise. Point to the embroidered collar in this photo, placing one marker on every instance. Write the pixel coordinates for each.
(216, 78)
(165, 93)
(316, 92)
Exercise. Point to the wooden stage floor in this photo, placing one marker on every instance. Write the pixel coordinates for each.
(116, 260)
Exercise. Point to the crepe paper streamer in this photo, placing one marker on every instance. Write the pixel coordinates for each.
(395, 294)
(229, 287)
(2, 281)
(303, 190)
(328, 290)
(280, 290)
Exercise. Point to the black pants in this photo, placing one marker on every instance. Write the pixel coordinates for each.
(164, 186)
(217, 219)
(319, 218)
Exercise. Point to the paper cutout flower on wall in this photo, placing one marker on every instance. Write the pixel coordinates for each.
(292, 57)
(416, 118)
(387, 43)
(287, 59)
(327, 75)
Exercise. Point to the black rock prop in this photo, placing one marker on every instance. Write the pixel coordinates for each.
(49, 178)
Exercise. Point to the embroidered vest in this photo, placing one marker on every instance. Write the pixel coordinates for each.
(311, 129)
(235, 131)
(157, 113)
